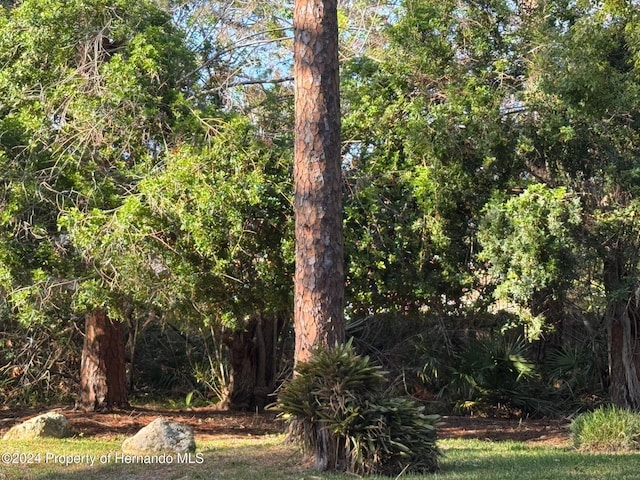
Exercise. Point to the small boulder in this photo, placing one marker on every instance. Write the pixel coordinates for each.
(160, 436)
(50, 424)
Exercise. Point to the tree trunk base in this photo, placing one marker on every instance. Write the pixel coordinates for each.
(103, 383)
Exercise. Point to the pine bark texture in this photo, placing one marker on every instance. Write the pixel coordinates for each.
(319, 273)
(103, 383)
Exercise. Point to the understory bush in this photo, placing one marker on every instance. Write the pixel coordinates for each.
(577, 373)
(607, 428)
(492, 374)
(39, 363)
(338, 410)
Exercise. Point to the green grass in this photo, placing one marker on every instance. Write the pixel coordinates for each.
(607, 429)
(268, 458)
(482, 460)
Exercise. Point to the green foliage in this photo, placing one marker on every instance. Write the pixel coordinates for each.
(428, 142)
(204, 236)
(529, 242)
(341, 394)
(490, 374)
(608, 429)
(576, 372)
(490, 163)
(91, 91)
(119, 190)
(584, 94)
(395, 349)
(123, 187)
(504, 140)
(469, 364)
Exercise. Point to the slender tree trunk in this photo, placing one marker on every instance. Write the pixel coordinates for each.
(623, 322)
(253, 359)
(243, 370)
(319, 274)
(624, 357)
(103, 380)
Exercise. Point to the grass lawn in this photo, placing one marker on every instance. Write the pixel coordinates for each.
(266, 457)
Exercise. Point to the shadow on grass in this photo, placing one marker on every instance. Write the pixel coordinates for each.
(272, 461)
(269, 459)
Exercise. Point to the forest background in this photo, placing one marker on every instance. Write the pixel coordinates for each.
(491, 180)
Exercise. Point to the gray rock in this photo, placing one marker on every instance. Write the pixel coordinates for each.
(160, 436)
(50, 424)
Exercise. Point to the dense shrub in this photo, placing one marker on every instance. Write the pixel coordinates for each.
(337, 409)
(492, 374)
(576, 373)
(39, 363)
(607, 428)
(479, 363)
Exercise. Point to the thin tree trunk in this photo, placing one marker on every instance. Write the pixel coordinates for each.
(243, 369)
(252, 355)
(624, 355)
(330, 450)
(319, 275)
(103, 381)
(623, 322)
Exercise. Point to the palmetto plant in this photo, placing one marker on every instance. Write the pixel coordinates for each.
(486, 372)
(578, 368)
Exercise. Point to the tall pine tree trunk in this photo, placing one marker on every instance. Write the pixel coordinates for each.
(319, 274)
(103, 383)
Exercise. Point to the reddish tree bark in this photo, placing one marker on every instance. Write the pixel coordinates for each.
(103, 383)
(319, 273)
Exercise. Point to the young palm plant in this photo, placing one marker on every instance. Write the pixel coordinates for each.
(341, 395)
(492, 372)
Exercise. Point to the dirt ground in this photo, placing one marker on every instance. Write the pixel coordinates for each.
(547, 432)
(207, 422)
